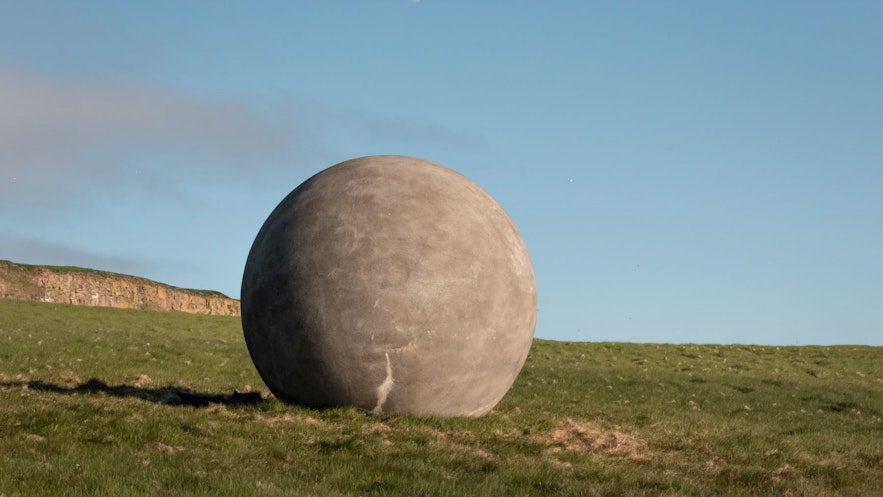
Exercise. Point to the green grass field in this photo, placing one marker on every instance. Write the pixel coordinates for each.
(98, 401)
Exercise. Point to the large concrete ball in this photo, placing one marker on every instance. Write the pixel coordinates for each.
(392, 284)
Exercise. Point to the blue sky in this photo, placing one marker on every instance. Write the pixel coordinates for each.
(705, 172)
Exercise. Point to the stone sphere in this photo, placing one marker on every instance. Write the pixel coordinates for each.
(392, 284)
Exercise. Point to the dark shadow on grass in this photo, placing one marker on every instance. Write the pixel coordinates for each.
(170, 395)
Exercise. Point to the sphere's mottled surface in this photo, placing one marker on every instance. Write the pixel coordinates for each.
(392, 284)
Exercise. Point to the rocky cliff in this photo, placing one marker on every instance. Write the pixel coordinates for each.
(78, 286)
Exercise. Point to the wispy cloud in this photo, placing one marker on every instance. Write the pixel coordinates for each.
(66, 140)
(79, 156)
(30, 250)
(57, 136)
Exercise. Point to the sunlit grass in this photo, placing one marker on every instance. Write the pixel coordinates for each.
(582, 419)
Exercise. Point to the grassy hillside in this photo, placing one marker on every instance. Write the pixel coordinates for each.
(97, 401)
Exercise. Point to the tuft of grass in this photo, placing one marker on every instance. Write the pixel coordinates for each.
(98, 401)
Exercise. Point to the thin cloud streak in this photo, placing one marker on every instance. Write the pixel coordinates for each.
(68, 117)
(69, 140)
(78, 155)
(28, 250)
(58, 137)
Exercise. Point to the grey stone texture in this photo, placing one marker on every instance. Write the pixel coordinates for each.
(392, 284)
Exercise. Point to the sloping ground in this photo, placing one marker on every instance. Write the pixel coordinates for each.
(78, 286)
(97, 401)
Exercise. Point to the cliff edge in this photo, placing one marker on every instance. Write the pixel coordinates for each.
(79, 286)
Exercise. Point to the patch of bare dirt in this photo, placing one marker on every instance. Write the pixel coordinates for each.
(484, 455)
(221, 410)
(782, 472)
(142, 381)
(275, 420)
(381, 428)
(575, 436)
(288, 418)
(165, 449)
(314, 422)
(715, 465)
(34, 439)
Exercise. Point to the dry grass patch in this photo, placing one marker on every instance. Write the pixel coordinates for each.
(164, 448)
(576, 436)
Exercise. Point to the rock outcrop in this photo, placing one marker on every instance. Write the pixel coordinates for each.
(78, 286)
